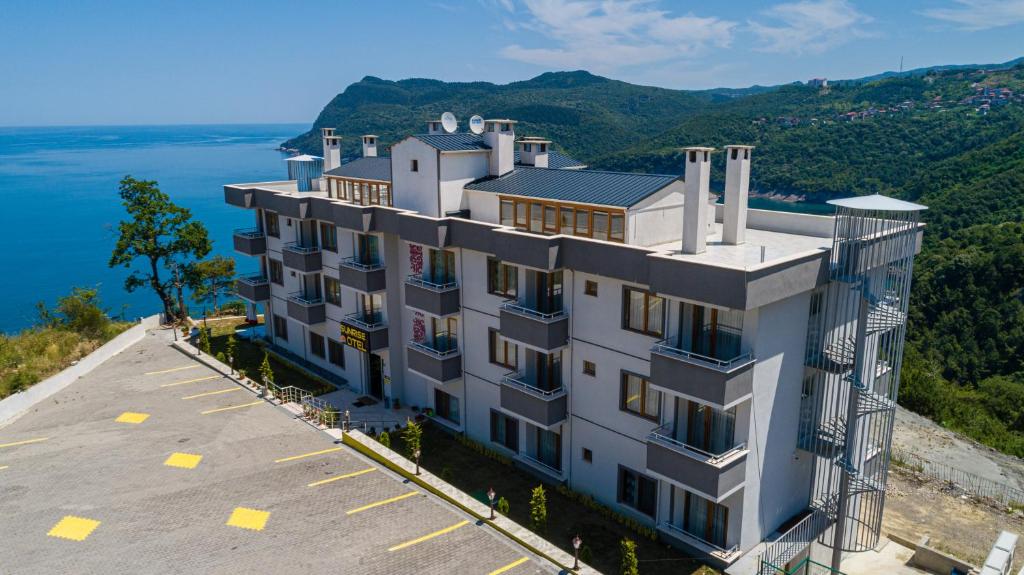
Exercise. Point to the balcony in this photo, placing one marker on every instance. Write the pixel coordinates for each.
(438, 299)
(719, 382)
(305, 259)
(542, 407)
(545, 331)
(714, 476)
(365, 331)
(365, 276)
(253, 287)
(441, 365)
(251, 242)
(308, 310)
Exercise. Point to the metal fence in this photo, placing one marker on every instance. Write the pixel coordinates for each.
(792, 543)
(968, 482)
(804, 567)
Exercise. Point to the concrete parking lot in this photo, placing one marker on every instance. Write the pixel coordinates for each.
(154, 463)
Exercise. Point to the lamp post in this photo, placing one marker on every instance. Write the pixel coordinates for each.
(416, 454)
(490, 497)
(576, 543)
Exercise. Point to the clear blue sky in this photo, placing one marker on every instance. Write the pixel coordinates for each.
(136, 62)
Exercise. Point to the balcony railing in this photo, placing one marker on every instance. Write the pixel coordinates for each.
(256, 279)
(359, 264)
(520, 381)
(306, 300)
(668, 347)
(301, 249)
(723, 553)
(426, 347)
(367, 321)
(516, 307)
(534, 462)
(418, 280)
(665, 436)
(250, 233)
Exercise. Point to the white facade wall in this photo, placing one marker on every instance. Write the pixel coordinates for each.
(457, 170)
(658, 219)
(420, 189)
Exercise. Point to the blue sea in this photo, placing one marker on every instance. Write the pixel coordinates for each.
(60, 206)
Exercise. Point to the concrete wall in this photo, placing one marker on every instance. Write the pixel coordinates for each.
(457, 170)
(658, 219)
(416, 191)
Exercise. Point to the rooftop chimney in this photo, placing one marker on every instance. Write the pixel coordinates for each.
(434, 127)
(369, 146)
(737, 189)
(500, 136)
(332, 149)
(533, 151)
(695, 199)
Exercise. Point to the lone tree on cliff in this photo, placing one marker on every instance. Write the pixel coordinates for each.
(162, 234)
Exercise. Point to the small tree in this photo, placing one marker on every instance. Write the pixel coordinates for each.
(266, 374)
(413, 436)
(204, 340)
(502, 506)
(210, 279)
(630, 565)
(538, 509)
(230, 348)
(384, 439)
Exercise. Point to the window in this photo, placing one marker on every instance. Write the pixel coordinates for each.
(549, 448)
(588, 455)
(505, 430)
(709, 429)
(545, 368)
(544, 217)
(446, 406)
(705, 520)
(276, 272)
(583, 222)
(445, 334)
(550, 219)
(502, 279)
(589, 368)
(316, 344)
(502, 351)
(567, 221)
(332, 291)
(280, 327)
(441, 270)
(414, 166)
(638, 397)
(336, 353)
(618, 230)
(637, 491)
(508, 211)
(328, 237)
(590, 288)
(643, 312)
(273, 225)
(367, 250)
(600, 228)
(370, 306)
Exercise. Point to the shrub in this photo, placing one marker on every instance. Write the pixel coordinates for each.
(384, 439)
(630, 565)
(446, 474)
(266, 374)
(538, 509)
(502, 506)
(221, 357)
(231, 349)
(413, 436)
(586, 554)
(204, 340)
(233, 307)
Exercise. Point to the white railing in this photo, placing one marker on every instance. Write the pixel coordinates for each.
(793, 542)
(356, 264)
(515, 307)
(366, 320)
(665, 347)
(518, 380)
(721, 552)
(302, 299)
(533, 461)
(251, 233)
(300, 249)
(664, 435)
(438, 287)
(426, 348)
(255, 279)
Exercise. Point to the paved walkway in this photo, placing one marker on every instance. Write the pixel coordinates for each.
(154, 463)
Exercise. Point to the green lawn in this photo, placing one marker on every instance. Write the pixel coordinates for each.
(250, 356)
(474, 473)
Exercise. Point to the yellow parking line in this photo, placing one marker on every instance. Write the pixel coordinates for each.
(27, 441)
(173, 369)
(310, 454)
(207, 378)
(511, 565)
(429, 536)
(382, 502)
(213, 393)
(209, 411)
(346, 476)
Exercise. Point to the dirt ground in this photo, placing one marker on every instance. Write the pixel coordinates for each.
(957, 524)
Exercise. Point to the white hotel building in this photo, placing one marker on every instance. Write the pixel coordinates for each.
(619, 333)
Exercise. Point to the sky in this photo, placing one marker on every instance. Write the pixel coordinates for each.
(208, 62)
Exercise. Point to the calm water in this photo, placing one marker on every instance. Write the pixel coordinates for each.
(60, 205)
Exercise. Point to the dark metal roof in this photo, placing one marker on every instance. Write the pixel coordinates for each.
(581, 186)
(453, 142)
(378, 168)
(559, 160)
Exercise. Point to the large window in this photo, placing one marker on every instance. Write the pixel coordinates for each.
(549, 448)
(273, 224)
(638, 491)
(505, 430)
(332, 291)
(276, 271)
(544, 217)
(370, 306)
(280, 327)
(502, 279)
(711, 332)
(643, 312)
(544, 369)
(316, 344)
(328, 237)
(638, 397)
(336, 353)
(705, 520)
(503, 352)
(445, 333)
(441, 268)
(446, 406)
(709, 429)
(368, 192)
(367, 250)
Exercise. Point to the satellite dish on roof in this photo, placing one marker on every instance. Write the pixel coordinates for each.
(476, 125)
(449, 123)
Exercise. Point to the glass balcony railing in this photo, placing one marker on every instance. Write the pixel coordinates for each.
(541, 312)
(255, 279)
(304, 299)
(250, 233)
(366, 320)
(666, 435)
(718, 347)
(443, 345)
(532, 386)
(361, 264)
(301, 249)
(445, 284)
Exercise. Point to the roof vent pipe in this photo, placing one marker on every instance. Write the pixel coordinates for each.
(695, 199)
(737, 191)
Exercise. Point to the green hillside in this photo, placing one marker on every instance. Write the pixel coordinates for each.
(923, 136)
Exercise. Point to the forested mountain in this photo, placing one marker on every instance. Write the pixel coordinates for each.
(951, 139)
